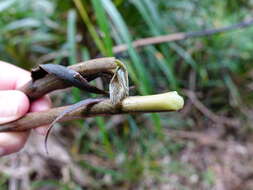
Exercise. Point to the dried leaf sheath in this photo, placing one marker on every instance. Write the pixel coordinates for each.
(71, 77)
(119, 85)
(41, 86)
(85, 103)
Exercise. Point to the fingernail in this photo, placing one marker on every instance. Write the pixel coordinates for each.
(2, 152)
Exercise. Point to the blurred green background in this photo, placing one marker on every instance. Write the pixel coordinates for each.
(192, 149)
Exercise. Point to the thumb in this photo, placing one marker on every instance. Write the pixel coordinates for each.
(13, 105)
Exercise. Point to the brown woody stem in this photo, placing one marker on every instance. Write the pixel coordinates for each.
(169, 101)
(40, 87)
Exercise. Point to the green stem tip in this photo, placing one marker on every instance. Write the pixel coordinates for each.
(169, 101)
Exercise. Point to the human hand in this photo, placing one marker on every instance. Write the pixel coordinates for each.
(14, 104)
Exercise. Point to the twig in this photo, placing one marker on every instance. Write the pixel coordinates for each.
(170, 101)
(208, 113)
(40, 87)
(192, 85)
(181, 36)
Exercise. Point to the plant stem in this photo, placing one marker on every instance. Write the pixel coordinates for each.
(40, 87)
(165, 102)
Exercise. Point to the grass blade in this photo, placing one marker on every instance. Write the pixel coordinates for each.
(71, 35)
(91, 28)
(6, 4)
(104, 26)
(125, 35)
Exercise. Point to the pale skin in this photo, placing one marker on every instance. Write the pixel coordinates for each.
(14, 104)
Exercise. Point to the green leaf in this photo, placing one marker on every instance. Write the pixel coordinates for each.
(6, 4)
(91, 28)
(72, 37)
(104, 26)
(23, 24)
